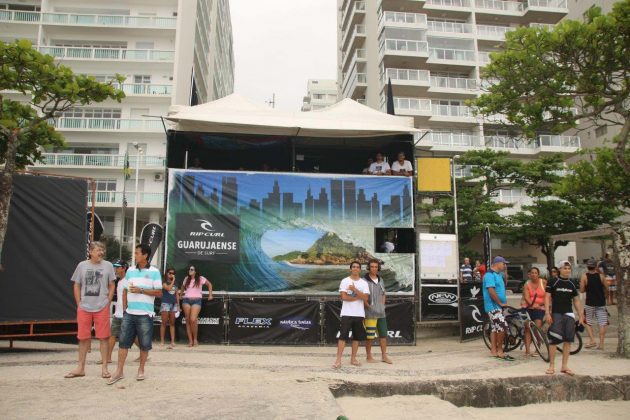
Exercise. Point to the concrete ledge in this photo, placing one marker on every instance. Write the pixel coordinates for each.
(504, 392)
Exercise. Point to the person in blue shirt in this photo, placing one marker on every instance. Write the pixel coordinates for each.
(494, 299)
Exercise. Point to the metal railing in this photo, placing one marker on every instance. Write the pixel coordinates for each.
(455, 140)
(493, 31)
(405, 45)
(506, 6)
(403, 17)
(144, 89)
(548, 26)
(407, 75)
(114, 198)
(19, 16)
(412, 104)
(450, 111)
(109, 20)
(451, 54)
(504, 142)
(99, 160)
(449, 3)
(108, 53)
(106, 124)
(548, 140)
(453, 83)
(452, 27)
(483, 57)
(546, 4)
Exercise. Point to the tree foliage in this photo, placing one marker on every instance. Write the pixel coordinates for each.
(47, 89)
(545, 81)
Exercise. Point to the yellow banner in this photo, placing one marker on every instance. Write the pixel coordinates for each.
(434, 174)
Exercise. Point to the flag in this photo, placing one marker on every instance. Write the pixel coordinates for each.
(126, 168)
(390, 98)
(487, 251)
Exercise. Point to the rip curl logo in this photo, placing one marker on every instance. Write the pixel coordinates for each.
(206, 225)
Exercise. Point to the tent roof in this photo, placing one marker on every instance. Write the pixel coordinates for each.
(236, 114)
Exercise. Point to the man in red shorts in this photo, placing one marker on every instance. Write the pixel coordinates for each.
(93, 291)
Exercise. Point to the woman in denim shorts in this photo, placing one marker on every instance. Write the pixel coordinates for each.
(191, 303)
(169, 305)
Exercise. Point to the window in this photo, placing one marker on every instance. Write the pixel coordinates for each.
(142, 78)
(601, 131)
(105, 185)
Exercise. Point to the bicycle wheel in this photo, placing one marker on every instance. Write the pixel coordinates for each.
(576, 346)
(486, 330)
(540, 341)
(513, 337)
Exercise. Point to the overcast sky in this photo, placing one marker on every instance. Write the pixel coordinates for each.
(280, 44)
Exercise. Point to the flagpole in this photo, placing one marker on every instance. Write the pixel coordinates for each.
(135, 204)
(123, 205)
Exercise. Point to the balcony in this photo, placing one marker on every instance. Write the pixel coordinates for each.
(510, 144)
(453, 85)
(359, 56)
(351, 38)
(451, 56)
(412, 106)
(353, 14)
(356, 83)
(398, 52)
(114, 199)
(483, 57)
(452, 113)
(406, 81)
(548, 11)
(76, 160)
(118, 21)
(454, 142)
(450, 27)
(115, 54)
(19, 16)
(107, 124)
(144, 89)
(492, 32)
(558, 144)
(403, 20)
(500, 7)
(447, 4)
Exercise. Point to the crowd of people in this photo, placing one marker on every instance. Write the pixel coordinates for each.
(380, 166)
(554, 301)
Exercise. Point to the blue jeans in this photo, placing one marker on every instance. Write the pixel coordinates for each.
(133, 326)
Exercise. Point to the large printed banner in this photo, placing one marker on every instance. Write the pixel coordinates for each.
(288, 233)
(471, 311)
(400, 323)
(268, 322)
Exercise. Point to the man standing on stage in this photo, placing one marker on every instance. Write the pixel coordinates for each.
(93, 291)
(143, 285)
(375, 321)
(354, 292)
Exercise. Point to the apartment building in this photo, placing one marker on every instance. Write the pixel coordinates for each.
(432, 51)
(171, 53)
(320, 93)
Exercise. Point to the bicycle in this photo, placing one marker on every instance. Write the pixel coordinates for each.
(518, 320)
(576, 346)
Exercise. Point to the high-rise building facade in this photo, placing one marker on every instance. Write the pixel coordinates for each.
(320, 93)
(172, 52)
(433, 51)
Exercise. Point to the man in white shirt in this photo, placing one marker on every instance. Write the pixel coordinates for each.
(354, 292)
(380, 167)
(402, 167)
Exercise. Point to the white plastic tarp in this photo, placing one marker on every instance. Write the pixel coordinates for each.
(236, 114)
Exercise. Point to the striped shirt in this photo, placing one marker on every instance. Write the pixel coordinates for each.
(148, 279)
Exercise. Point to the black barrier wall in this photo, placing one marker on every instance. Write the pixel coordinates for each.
(400, 323)
(438, 303)
(45, 241)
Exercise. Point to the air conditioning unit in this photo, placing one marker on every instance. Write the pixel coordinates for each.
(158, 177)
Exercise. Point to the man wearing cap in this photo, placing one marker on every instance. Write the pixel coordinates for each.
(120, 267)
(559, 294)
(594, 285)
(494, 299)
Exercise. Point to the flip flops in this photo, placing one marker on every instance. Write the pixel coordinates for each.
(507, 358)
(590, 345)
(112, 381)
(140, 377)
(568, 372)
(73, 375)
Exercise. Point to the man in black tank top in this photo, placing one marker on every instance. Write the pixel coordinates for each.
(593, 283)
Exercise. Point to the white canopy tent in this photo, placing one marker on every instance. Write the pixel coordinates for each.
(236, 114)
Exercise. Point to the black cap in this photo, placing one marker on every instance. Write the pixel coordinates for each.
(121, 263)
